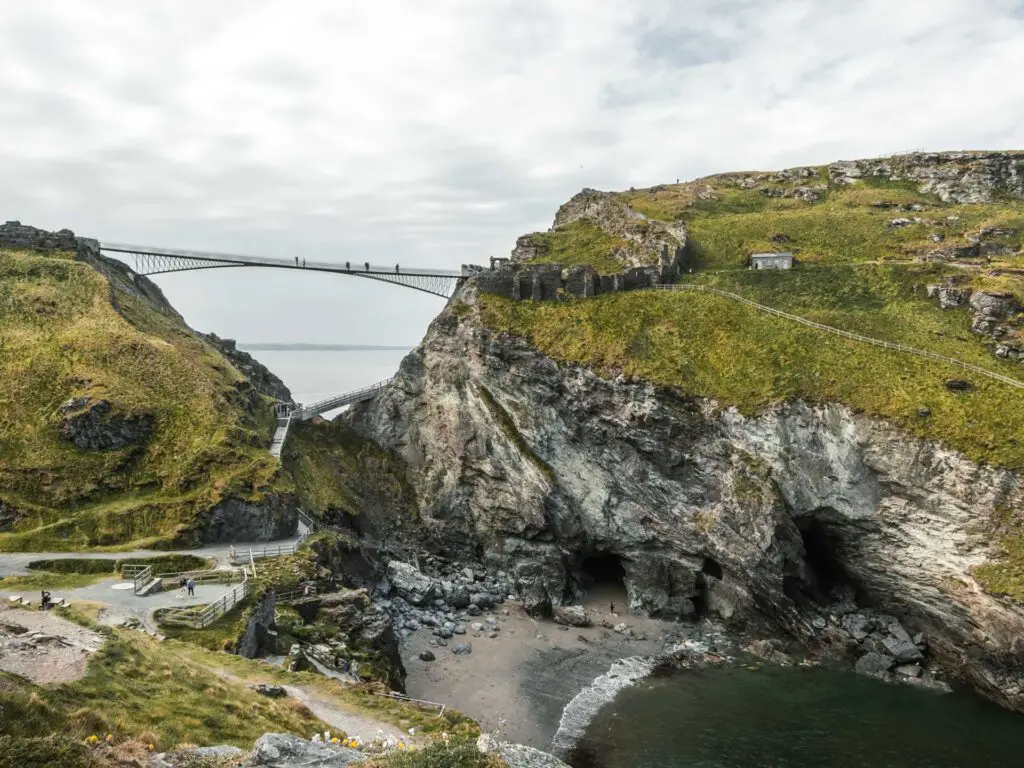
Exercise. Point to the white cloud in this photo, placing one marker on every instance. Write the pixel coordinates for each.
(436, 131)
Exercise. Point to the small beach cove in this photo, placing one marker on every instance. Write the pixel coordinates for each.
(519, 682)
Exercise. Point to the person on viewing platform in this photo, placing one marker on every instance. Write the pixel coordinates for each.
(191, 585)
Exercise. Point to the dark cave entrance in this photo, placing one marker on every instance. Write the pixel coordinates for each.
(710, 571)
(822, 570)
(603, 579)
(603, 568)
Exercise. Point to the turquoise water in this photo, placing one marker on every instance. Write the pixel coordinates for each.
(797, 718)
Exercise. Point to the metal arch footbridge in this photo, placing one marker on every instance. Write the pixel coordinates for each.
(158, 261)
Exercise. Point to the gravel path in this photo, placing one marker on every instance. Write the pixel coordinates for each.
(16, 563)
(43, 647)
(347, 720)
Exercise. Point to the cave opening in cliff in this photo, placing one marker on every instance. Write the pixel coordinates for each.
(822, 569)
(603, 579)
(603, 568)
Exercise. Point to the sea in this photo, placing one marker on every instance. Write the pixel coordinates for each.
(793, 717)
(314, 374)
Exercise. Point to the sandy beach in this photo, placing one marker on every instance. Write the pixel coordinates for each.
(519, 682)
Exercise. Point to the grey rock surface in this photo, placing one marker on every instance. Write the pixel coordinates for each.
(539, 465)
(874, 664)
(94, 425)
(282, 750)
(410, 584)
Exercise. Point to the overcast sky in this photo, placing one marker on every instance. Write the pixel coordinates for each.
(434, 132)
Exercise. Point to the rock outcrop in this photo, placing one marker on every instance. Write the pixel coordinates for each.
(260, 636)
(955, 177)
(358, 637)
(996, 316)
(233, 520)
(651, 242)
(538, 467)
(258, 374)
(94, 425)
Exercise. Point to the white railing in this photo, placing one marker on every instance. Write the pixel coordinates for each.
(290, 595)
(309, 411)
(275, 551)
(280, 434)
(846, 334)
(420, 702)
(199, 577)
(141, 575)
(211, 612)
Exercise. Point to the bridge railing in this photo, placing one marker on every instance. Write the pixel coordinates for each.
(418, 702)
(845, 334)
(214, 257)
(322, 406)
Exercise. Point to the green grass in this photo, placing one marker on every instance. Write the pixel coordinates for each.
(51, 581)
(336, 472)
(222, 635)
(60, 337)
(846, 225)
(137, 687)
(439, 755)
(359, 697)
(708, 346)
(581, 243)
(161, 564)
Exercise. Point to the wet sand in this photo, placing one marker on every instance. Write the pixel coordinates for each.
(518, 683)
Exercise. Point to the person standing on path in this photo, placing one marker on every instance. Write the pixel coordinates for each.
(191, 587)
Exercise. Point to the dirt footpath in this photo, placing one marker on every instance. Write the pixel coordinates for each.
(41, 646)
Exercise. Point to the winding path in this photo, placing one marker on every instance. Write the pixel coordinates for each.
(845, 334)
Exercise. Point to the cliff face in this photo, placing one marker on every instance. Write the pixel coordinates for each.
(537, 466)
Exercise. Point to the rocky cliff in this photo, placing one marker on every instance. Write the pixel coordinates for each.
(726, 463)
(538, 467)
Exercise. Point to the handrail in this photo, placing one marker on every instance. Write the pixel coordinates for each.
(306, 520)
(315, 409)
(268, 261)
(845, 334)
(213, 611)
(142, 576)
(402, 697)
(288, 596)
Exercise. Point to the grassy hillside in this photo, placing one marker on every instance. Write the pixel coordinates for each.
(846, 223)
(342, 477)
(172, 693)
(61, 337)
(580, 242)
(708, 346)
(865, 253)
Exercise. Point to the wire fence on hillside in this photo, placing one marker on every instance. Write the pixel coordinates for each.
(846, 334)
